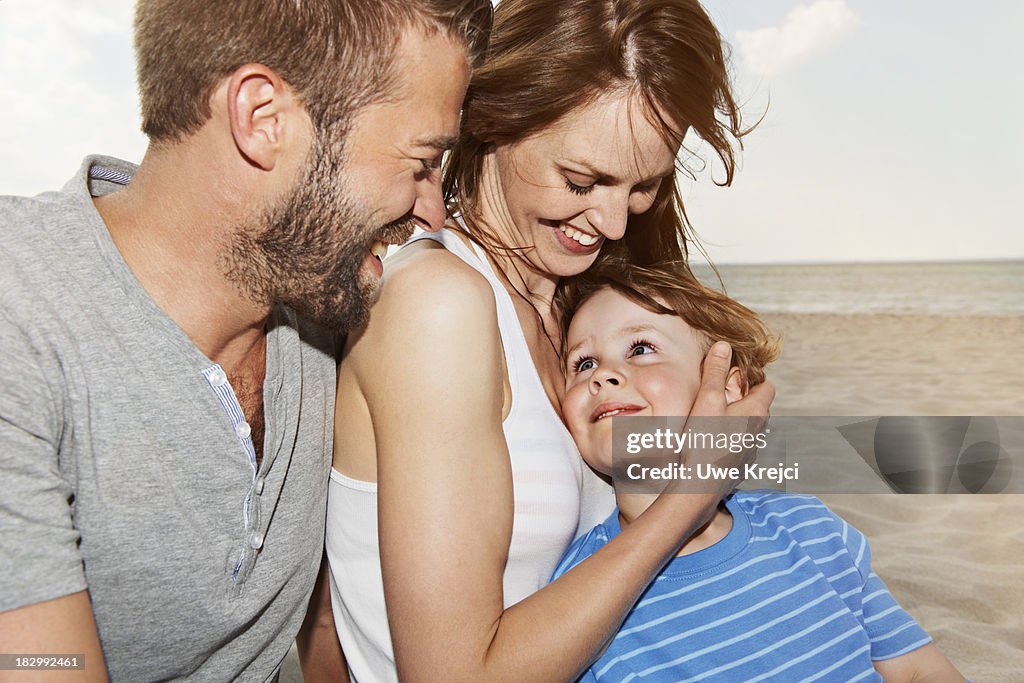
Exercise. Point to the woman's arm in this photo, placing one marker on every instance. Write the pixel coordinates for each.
(429, 366)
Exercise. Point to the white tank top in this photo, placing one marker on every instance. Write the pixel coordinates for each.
(556, 496)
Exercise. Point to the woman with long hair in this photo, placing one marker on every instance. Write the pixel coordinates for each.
(456, 487)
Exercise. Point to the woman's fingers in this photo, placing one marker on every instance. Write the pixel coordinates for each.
(711, 396)
(735, 423)
(757, 402)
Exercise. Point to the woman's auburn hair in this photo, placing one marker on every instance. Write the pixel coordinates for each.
(671, 288)
(546, 59)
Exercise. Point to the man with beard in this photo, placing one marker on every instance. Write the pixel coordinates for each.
(169, 331)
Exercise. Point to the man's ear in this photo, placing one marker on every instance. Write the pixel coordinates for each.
(263, 114)
(734, 389)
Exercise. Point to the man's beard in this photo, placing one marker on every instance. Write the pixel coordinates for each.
(307, 250)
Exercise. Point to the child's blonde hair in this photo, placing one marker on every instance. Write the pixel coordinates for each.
(671, 289)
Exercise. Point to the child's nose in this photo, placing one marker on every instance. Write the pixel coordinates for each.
(605, 377)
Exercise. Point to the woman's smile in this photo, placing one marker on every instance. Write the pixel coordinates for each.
(577, 241)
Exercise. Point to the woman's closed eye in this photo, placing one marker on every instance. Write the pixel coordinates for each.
(578, 189)
(651, 187)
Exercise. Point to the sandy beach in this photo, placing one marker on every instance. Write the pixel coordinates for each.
(956, 562)
(898, 365)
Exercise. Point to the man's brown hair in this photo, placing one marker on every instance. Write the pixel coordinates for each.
(547, 58)
(335, 54)
(672, 289)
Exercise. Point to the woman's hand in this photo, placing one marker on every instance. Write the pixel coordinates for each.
(711, 413)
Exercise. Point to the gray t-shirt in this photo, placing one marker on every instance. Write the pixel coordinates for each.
(124, 462)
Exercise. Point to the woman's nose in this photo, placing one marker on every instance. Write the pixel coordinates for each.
(609, 217)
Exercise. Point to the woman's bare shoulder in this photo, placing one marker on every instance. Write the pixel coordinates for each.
(426, 263)
(430, 280)
(428, 298)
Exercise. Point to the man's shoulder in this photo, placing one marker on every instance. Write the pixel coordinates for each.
(38, 234)
(25, 221)
(34, 279)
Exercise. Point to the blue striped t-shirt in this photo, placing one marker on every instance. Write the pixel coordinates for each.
(787, 595)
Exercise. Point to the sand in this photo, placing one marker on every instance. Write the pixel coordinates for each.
(955, 562)
(898, 365)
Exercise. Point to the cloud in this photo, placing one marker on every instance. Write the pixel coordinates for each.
(807, 30)
(67, 83)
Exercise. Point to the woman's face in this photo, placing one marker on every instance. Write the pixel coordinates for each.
(570, 187)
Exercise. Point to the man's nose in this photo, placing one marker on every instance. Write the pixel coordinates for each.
(429, 210)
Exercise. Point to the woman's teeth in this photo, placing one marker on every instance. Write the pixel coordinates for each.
(379, 249)
(581, 237)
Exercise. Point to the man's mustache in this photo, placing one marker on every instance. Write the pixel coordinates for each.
(397, 231)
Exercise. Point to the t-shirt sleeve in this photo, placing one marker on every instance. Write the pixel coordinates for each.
(39, 556)
(892, 631)
(582, 548)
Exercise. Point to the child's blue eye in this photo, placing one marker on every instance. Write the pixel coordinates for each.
(584, 364)
(641, 348)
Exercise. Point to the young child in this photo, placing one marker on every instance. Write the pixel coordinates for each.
(776, 586)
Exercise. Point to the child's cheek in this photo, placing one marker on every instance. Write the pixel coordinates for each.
(573, 408)
(668, 393)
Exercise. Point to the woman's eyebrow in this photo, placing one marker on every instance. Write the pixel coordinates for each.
(592, 170)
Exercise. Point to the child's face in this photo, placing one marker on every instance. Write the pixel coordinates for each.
(625, 360)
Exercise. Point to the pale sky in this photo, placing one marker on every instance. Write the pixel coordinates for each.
(892, 131)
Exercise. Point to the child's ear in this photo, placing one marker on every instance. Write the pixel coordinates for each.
(734, 386)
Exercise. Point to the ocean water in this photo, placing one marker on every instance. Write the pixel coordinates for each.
(994, 288)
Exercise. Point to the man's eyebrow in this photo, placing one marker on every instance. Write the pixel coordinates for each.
(440, 143)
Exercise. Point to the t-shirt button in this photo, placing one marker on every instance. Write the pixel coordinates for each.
(256, 541)
(259, 486)
(243, 430)
(218, 378)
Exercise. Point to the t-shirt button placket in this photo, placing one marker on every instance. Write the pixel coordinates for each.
(218, 378)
